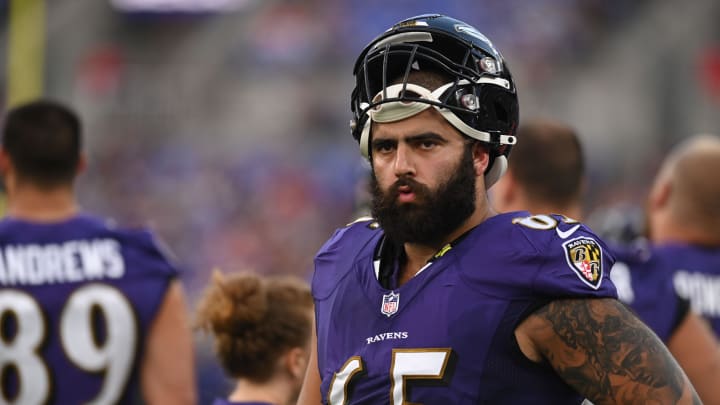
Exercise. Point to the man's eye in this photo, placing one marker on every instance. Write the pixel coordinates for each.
(383, 147)
(427, 144)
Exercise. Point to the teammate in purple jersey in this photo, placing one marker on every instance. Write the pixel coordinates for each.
(262, 328)
(91, 313)
(683, 213)
(644, 282)
(442, 301)
(546, 174)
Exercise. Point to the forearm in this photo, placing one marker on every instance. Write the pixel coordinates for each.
(167, 371)
(603, 351)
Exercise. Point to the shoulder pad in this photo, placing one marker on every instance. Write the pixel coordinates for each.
(548, 255)
(336, 257)
(150, 253)
(576, 260)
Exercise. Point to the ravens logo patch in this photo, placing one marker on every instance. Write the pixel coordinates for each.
(584, 255)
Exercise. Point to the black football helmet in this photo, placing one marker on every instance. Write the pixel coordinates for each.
(479, 99)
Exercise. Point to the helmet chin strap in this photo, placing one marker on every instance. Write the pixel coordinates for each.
(393, 111)
(496, 171)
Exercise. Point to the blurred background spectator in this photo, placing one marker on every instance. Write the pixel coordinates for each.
(224, 123)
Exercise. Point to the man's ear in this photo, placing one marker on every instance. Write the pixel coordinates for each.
(296, 362)
(481, 158)
(82, 164)
(5, 163)
(660, 194)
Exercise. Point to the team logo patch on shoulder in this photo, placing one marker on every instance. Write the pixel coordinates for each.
(584, 256)
(390, 303)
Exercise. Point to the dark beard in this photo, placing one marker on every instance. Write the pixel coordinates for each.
(434, 215)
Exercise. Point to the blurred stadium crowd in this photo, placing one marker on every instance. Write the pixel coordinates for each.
(227, 131)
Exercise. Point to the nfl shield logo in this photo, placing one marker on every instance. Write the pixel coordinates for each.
(390, 303)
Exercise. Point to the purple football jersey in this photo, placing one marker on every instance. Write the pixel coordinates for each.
(696, 277)
(644, 282)
(76, 301)
(447, 335)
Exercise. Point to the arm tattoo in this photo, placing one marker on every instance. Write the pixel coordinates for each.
(598, 347)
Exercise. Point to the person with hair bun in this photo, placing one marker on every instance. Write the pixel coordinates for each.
(262, 328)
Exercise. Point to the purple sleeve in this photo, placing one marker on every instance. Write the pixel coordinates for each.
(575, 266)
(152, 256)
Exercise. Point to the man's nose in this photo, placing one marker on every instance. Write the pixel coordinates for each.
(403, 164)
